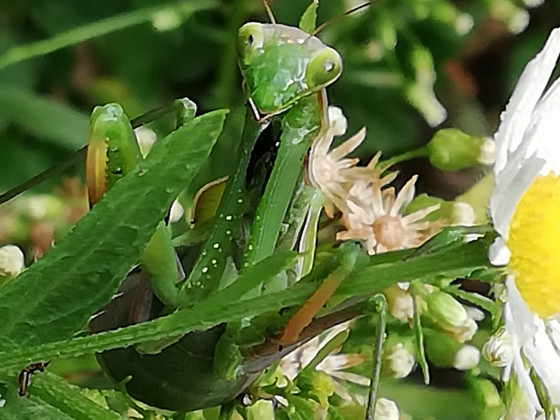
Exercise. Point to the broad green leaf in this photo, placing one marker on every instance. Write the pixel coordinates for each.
(54, 298)
(308, 20)
(43, 117)
(364, 281)
(50, 397)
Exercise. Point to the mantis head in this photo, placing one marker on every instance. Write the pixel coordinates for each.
(281, 64)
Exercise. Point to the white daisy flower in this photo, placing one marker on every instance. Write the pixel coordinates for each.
(525, 209)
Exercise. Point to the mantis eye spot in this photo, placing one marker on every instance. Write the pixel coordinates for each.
(250, 40)
(323, 68)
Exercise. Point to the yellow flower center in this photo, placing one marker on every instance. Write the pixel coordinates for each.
(534, 242)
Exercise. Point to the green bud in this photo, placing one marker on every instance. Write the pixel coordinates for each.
(449, 213)
(478, 197)
(486, 392)
(451, 149)
(441, 349)
(446, 311)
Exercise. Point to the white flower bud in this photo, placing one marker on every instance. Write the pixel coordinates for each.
(386, 409)
(400, 303)
(337, 121)
(466, 358)
(464, 23)
(487, 154)
(498, 350)
(398, 361)
(466, 331)
(12, 261)
(166, 20)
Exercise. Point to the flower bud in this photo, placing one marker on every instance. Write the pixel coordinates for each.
(12, 261)
(167, 20)
(486, 392)
(516, 18)
(441, 349)
(498, 349)
(451, 149)
(337, 121)
(398, 362)
(466, 358)
(446, 311)
(449, 213)
(400, 303)
(466, 331)
(386, 409)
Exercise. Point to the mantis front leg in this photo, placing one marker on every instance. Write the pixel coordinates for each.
(112, 153)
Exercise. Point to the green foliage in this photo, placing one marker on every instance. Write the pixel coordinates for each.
(83, 271)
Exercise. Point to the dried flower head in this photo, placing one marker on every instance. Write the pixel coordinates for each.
(371, 211)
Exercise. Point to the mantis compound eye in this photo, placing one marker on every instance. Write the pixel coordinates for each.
(250, 38)
(324, 68)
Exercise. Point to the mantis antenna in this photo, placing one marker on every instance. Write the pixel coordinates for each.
(338, 18)
(269, 12)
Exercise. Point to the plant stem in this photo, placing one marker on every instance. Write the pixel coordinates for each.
(412, 154)
(374, 385)
(99, 28)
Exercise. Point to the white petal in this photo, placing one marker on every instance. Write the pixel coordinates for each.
(499, 254)
(510, 185)
(524, 380)
(544, 359)
(528, 91)
(542, 134)
(519, 321)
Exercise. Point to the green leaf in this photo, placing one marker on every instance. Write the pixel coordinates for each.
(54, 298)
(308, 20)
(365, 280)
(50, 397)
(43, 117)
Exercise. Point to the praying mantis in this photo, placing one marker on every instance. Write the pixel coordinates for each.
(285, 71)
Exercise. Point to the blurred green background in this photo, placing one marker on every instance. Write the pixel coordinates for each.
(410, 66)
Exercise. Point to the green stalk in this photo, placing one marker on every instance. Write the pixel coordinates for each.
(100, 28)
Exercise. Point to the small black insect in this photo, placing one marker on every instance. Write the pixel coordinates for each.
(24, 378)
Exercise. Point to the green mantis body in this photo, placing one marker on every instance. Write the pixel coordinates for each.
(285, 72)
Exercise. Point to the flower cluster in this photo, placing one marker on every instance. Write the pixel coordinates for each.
(371, 210)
